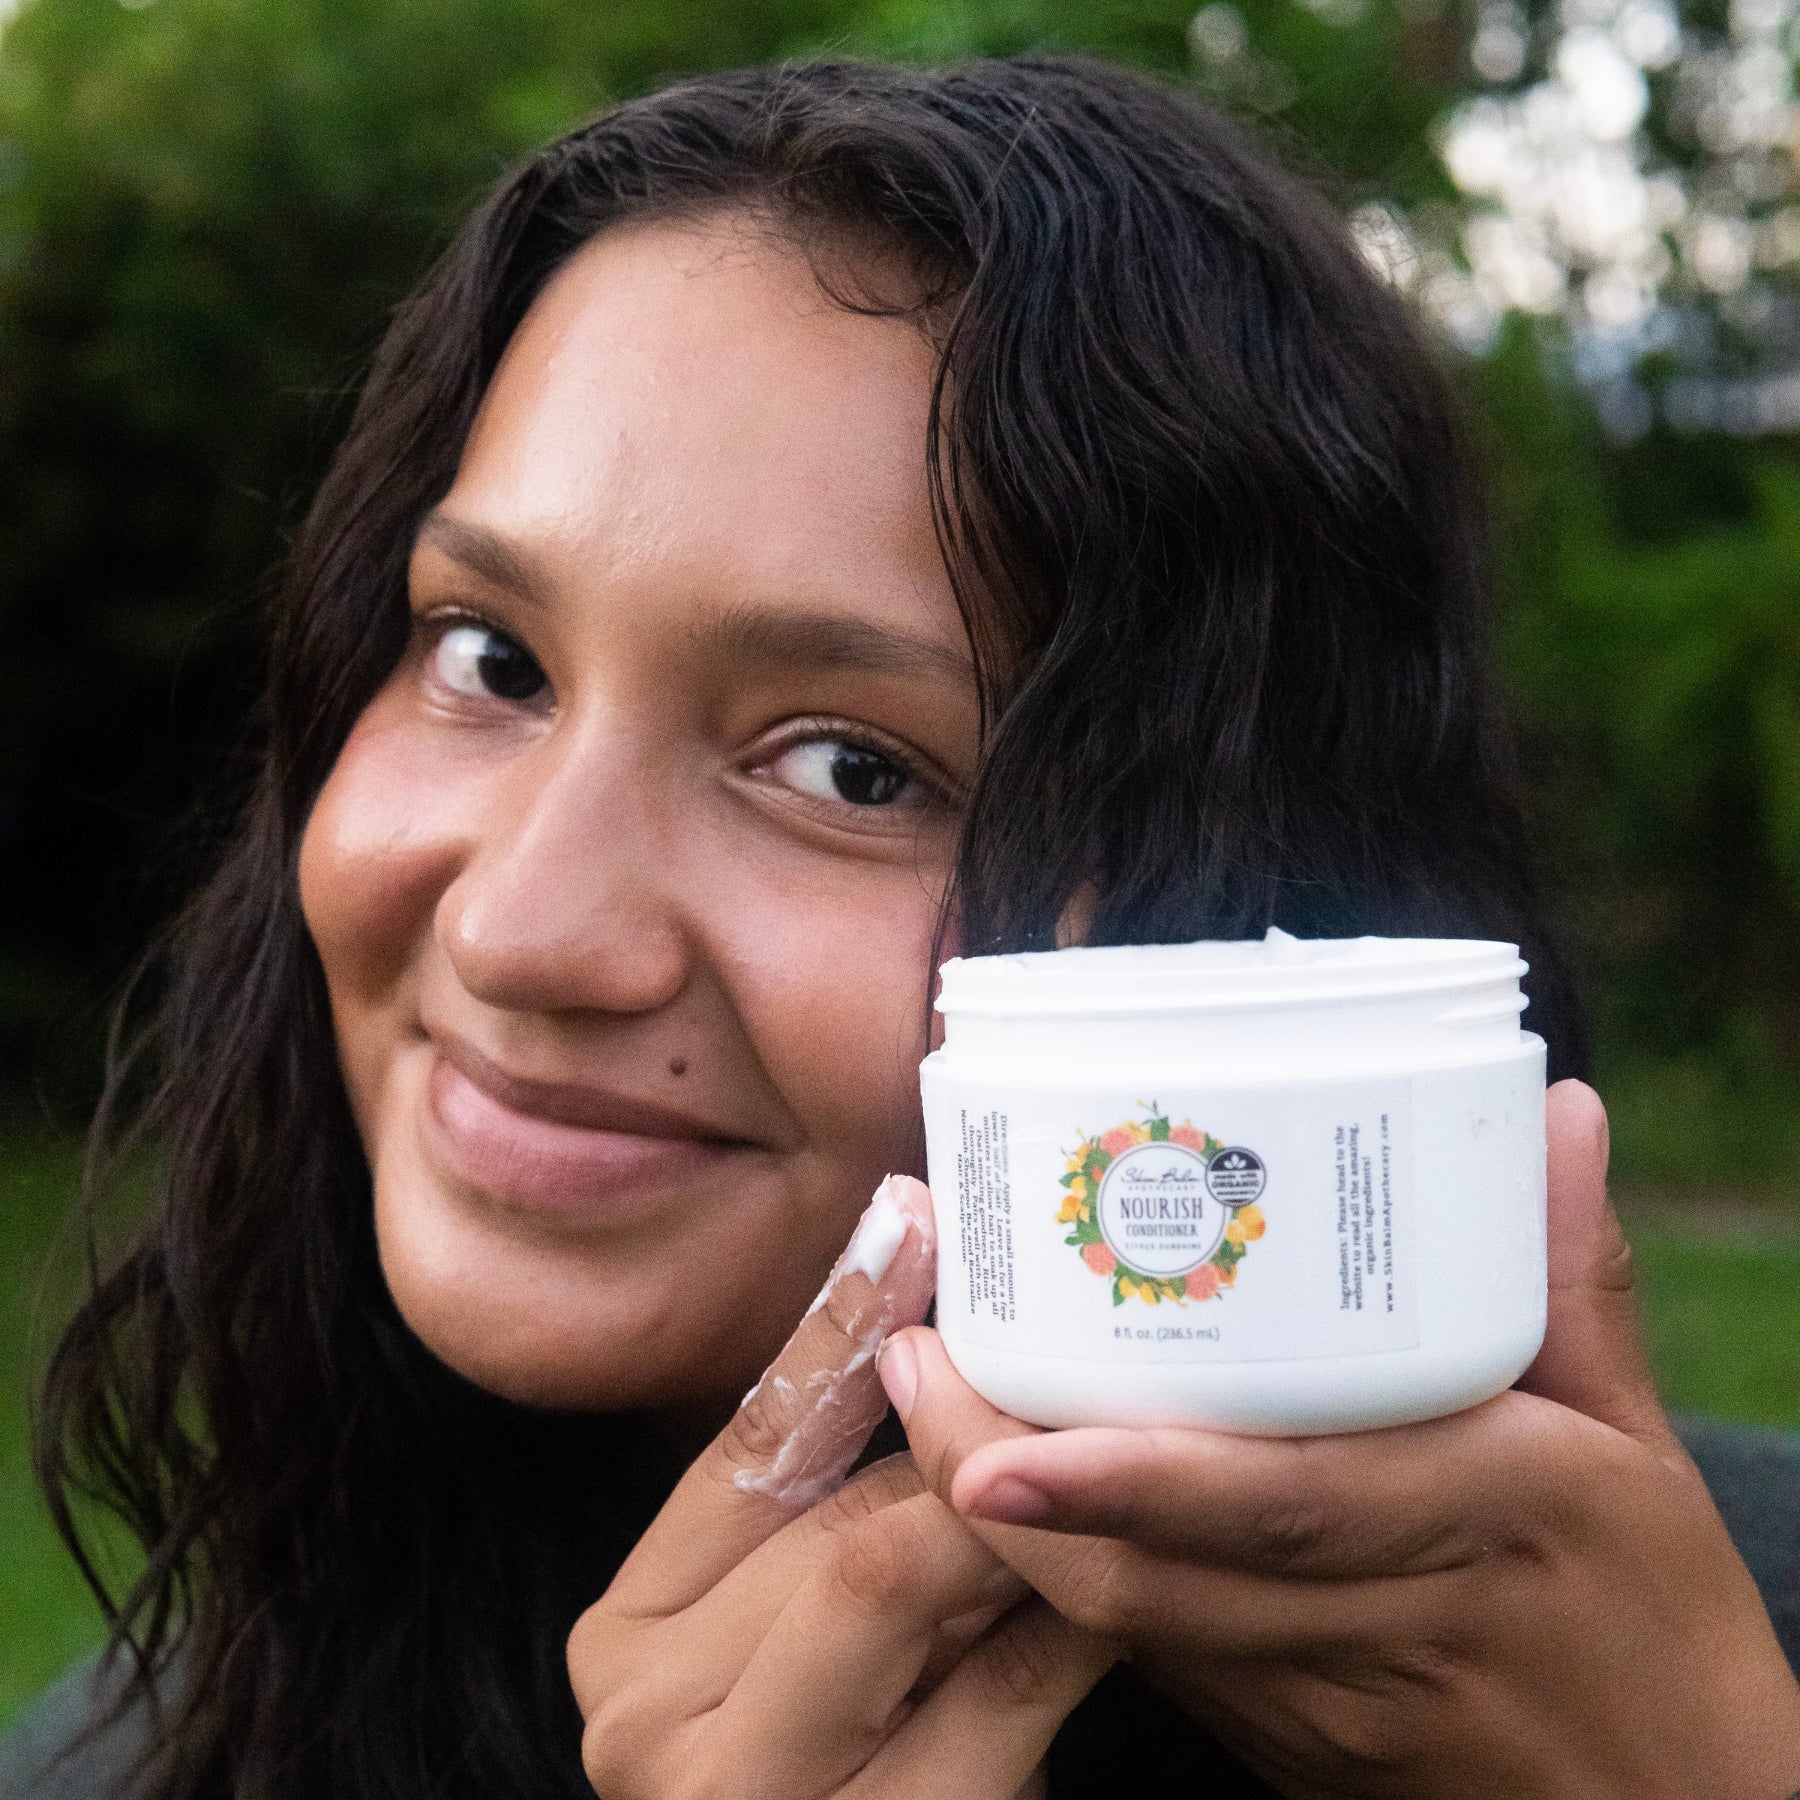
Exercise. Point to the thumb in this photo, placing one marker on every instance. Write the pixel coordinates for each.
(1593, 1356)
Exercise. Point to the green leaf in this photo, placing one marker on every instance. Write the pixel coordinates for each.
(1159, 1130)
(1228, 1253)
(1097, 1160)
(1086, 1232)
(1118, 1292)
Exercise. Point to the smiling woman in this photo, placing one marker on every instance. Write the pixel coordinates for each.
(810, 520)
(666, 778)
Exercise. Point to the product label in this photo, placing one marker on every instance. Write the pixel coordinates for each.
(1224, 1225)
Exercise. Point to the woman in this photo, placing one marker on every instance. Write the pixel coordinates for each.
(810, 519)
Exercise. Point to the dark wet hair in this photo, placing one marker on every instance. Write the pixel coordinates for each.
(1197, 482)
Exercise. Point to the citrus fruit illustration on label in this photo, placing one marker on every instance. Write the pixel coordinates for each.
(1165, 1211)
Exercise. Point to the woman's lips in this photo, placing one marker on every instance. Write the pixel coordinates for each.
(524, 1159)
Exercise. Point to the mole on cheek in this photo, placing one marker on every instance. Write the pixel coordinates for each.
(678, 1065)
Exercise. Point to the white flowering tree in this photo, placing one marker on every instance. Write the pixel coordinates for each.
(1632, 173)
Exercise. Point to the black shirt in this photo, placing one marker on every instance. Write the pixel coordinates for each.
(1122, 1736)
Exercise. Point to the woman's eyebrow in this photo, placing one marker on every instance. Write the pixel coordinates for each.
(823, 640)
(483, 552)
(749, 633)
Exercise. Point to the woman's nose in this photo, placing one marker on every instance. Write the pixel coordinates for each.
(565, 902)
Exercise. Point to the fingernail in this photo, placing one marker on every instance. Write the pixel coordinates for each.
(1006, 1500)
(897, 1363)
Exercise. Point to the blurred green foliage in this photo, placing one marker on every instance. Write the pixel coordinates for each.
(47, 1616)
(1652, 640)
(207, 208)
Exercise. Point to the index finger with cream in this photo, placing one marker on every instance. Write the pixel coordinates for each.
(801, 1428)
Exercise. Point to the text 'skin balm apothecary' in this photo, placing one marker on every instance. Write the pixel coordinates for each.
(1277, 1186)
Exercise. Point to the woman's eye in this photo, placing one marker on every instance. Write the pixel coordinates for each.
(831, 769)
(486, 664)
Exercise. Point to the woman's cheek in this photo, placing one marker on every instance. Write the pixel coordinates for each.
(387, 836)
(835, 995)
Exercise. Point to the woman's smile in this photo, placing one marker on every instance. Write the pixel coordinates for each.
(563, 1147)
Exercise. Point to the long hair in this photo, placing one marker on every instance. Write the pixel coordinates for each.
(1220, 557)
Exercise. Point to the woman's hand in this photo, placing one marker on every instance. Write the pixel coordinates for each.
(1535, 1598)
(781, 1631)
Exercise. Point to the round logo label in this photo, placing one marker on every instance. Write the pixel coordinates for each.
(1235, 1177)
(1157, 1209)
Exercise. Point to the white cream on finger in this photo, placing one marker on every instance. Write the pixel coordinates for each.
(840, 1405)
(878, 1237)
(825, 1441)
(873, 1245)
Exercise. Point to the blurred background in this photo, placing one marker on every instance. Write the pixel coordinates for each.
(208, 207)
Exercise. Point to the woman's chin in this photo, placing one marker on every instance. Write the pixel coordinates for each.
(554, 1325)
(544, 1362)
(534, 1380)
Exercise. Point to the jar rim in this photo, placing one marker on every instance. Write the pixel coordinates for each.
(1250, 973)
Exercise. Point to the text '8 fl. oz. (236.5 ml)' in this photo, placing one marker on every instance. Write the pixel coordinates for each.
(1277, 1186)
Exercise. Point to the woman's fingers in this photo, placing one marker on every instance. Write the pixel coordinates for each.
(945, 1418)
(1593, 1357)
(987, 1727)
(701, 1650)
(721, 1631)
(834, 1673)
(1407, 1500)
(804, 1424)
(1277, 1507)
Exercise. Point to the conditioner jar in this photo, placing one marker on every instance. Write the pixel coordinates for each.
(1283, 1186)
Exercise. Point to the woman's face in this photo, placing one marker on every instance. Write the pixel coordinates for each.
(625, 883)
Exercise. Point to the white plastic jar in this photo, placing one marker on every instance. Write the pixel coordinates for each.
(1282, 1186)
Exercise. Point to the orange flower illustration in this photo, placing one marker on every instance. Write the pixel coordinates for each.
(1082, 1173)
(1203, 1282)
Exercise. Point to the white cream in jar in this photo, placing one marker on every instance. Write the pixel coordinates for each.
(1281, 1186)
